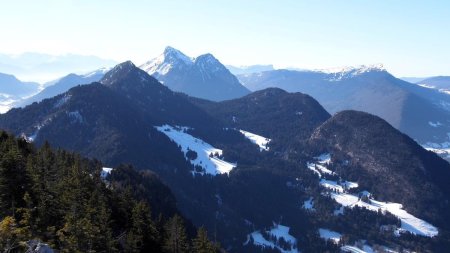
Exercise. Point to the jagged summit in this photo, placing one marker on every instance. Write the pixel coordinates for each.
(202, 77)
(169, 59)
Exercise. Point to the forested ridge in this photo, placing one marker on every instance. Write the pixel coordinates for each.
(59, 200)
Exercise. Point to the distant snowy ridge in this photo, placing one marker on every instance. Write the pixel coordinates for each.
(169, 59)
(207, 156)
(259, 140)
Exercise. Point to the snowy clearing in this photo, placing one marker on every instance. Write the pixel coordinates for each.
(409, 222)
(277, 231)
(339, 192)
(338, 187)
(327, 234)
(259, 140)
(207, 156)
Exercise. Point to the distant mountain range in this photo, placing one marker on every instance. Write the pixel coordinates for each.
(203, 77)
(62, 85)
(12, 89)
(271, 171)
(249, 69)
(419, 112)
(441, 83)
(41, 68)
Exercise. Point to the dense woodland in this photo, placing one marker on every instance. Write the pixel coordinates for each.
(60, 199)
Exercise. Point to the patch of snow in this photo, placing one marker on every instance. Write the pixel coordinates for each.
(277, 231)
(105, 172)
(338, 187)
(308, 204)
(75, 116)
(435, 124)
(207, 155)
(337, 74)
(339, 211)
(312, 166)
(442, 149)
(353, 249)
(327, 234)
(331, 185)
(408, 222)
(324, 158)
(424, 85)
(62, 100)
(259, 140)
(340, 195)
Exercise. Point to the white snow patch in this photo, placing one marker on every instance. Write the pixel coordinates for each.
(75, 116)
(207, 155)
(338, 187)
(442, 149)
(409, 222)
(324, 158)
(259, 140)
(426, 86)
(327, 234)
(277, 231)
(309, 204)
(339, 194)
(354, 249)
(435, 124)
(339, 211)
(105, 172)
(62, 100)
(331, 185)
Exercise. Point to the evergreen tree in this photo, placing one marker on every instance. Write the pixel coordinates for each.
(176, 239)
(143, 236)
(201, 243)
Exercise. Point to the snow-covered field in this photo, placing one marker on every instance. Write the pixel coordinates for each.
(207, 155)
(339, 192)
(259, 140)
(327, 234)
(409, 222)
(277, 231)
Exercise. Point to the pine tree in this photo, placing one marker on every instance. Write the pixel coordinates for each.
(143, 235)
(176, 239)
(201, 243)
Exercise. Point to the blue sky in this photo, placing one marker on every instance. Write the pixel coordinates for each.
(411, 38)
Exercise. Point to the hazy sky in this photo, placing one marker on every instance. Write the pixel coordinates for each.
(411, 38)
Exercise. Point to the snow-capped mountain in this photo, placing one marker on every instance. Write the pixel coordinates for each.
(202, 77)
(410, 108)
(62, 85)
(441, 83)
(249, 69)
